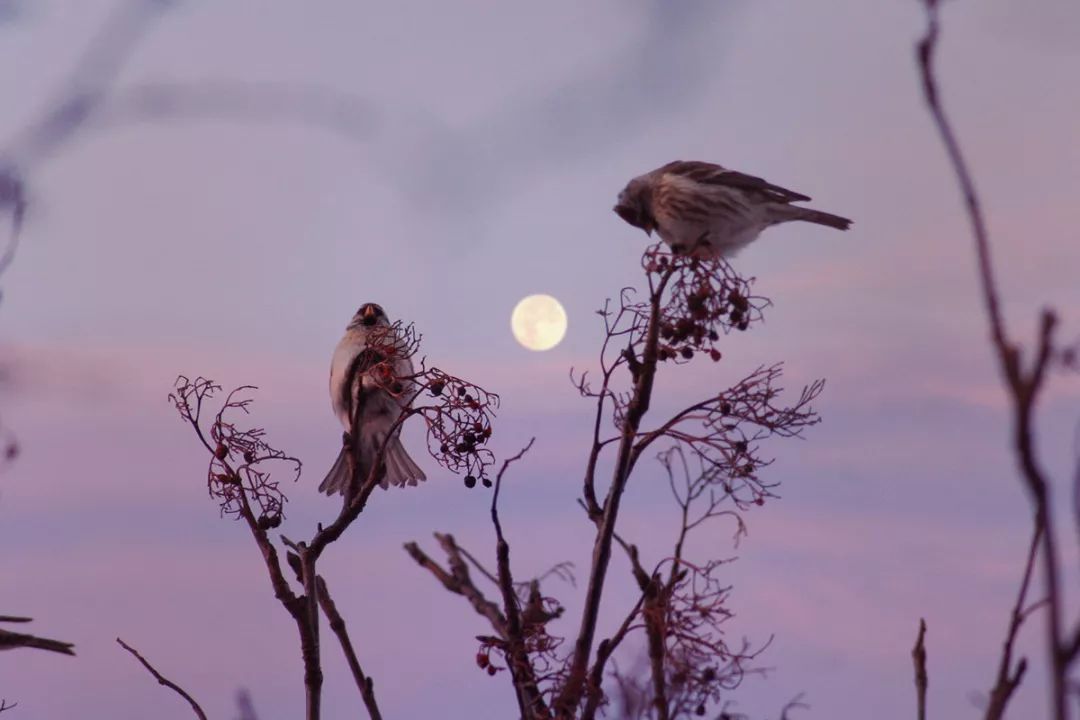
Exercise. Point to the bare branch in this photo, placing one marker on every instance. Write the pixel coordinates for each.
(1023, 384)
(458, 581)
(162, 680)
(1008, 677)
(364, 683)
(10, 640)
(918, 655)
(521, 669)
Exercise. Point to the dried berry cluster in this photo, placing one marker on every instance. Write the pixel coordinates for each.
(458, 413)
(699, 663)
(685, 617)
(546, 664)
(458, 424)
(240, 474)
(704, 300)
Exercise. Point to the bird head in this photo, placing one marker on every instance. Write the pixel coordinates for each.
(370, 314)
(633, 205)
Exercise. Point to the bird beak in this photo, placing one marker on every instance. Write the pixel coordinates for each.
(369, 315)
(628, 214)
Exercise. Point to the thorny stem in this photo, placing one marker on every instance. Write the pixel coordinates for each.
(1023, 385)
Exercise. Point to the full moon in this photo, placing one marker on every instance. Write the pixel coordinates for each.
(538, 322)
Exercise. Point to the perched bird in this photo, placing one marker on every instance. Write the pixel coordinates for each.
(380, 404)
(10, 640)
(707, 211)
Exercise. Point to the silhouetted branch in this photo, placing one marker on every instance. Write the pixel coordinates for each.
(1010, 677)
(918, 656)
(1023, 383)
(364, 683)
(245, 706)
(691, 305)
(458, 416)
(10, 640)
(456, 579)
(521, 669)
(162, 680)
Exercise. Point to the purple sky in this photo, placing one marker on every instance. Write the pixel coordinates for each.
(491, 140)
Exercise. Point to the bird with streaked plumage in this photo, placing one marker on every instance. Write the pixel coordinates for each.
(707, 211)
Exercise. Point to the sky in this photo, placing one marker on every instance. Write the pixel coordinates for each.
(446, 160)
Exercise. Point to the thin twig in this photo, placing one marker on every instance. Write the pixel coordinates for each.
(162, 680)
(528, 695)
(918, 655)
(364, 683)
(1008, 678)
(639, 405)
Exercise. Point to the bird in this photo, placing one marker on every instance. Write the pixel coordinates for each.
(707, 211)
(353, 388)
(10, 640)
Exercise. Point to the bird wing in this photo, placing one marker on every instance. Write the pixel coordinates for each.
(360, 363)
(712, 174)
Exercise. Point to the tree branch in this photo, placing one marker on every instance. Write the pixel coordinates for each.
(918, 655)
(1009, 678)
(364, 683)
(162, 680)
(638, 406)
(528, 694)
(1023, 386)
(457, 580)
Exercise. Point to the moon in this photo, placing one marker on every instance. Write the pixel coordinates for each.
(538, 322)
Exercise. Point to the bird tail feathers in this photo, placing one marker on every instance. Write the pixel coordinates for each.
(400, 468)
(785, 213)
(340, 474)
